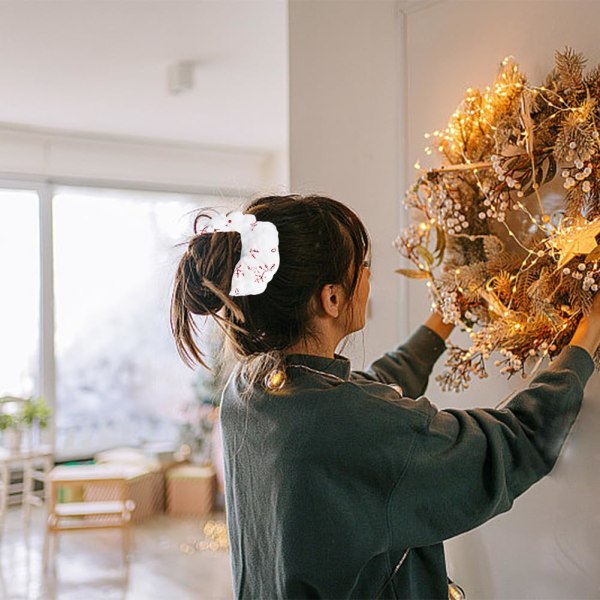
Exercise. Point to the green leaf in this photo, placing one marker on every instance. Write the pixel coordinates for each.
(425, 254)
(551, 171)
(440, 240)
(528, 190)
(413, 273)
(440, 245)
(511, 163)
(539, 175)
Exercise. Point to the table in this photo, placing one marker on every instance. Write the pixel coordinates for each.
(36, 464)
(91, 514)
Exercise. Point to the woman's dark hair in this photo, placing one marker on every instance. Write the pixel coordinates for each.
(321, 241)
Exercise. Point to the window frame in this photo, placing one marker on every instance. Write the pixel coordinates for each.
(46, 190)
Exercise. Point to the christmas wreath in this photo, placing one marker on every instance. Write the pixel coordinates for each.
(506, 228)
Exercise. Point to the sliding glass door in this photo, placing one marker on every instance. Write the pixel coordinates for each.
(119, 379)
(107, 361)
(19, 291)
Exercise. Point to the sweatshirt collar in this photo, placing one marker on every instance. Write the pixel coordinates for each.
(338, 366)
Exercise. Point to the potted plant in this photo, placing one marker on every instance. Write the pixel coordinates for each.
(35, 415)
(9, 423)
(17, 414)
(6, 421)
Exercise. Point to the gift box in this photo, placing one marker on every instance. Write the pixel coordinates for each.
(191, 490)
(163, 454)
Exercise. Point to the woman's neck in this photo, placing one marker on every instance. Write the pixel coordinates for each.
(312, 349)
(328, 334)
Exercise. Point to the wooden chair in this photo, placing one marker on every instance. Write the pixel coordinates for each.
(36, 465)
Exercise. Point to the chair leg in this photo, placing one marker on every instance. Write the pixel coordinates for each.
(27, 492)
(4, 483)
(49, 551)
(124, 544)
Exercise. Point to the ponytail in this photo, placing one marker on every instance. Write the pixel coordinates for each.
(321, 241)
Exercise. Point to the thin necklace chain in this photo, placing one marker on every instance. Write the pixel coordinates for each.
(395, 386)
(317, 371)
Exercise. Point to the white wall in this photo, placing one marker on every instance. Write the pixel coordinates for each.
(344, 94)
(103, 67)
(548, 545)
(366, 82)
(85, 96)
(51, 155)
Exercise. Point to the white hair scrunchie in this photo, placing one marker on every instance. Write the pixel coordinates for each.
(260, 251)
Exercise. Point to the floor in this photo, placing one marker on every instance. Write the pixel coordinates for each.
(171, 558)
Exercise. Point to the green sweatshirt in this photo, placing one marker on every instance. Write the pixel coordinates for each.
(331, 478)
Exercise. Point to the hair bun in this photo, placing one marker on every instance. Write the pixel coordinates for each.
(209, 263)
(201, 287)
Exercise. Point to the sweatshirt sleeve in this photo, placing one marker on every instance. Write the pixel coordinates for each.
(409, 365)
(466, 466)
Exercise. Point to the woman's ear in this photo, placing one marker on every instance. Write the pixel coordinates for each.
(331, 296)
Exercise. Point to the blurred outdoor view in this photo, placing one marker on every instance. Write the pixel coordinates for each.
(119, 379)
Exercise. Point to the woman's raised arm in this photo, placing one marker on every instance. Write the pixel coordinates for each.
(410, 364)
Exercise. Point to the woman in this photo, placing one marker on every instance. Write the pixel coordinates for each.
(340, 483)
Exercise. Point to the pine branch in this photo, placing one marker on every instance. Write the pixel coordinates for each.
(569, 68)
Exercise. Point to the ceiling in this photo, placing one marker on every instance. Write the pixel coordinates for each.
(100, 67)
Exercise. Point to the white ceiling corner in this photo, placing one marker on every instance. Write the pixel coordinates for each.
(101, 67)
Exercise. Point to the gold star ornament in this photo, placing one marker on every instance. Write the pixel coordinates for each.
(579, 238)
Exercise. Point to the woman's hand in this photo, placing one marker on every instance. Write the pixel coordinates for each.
(587, 334)
(435, 323)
